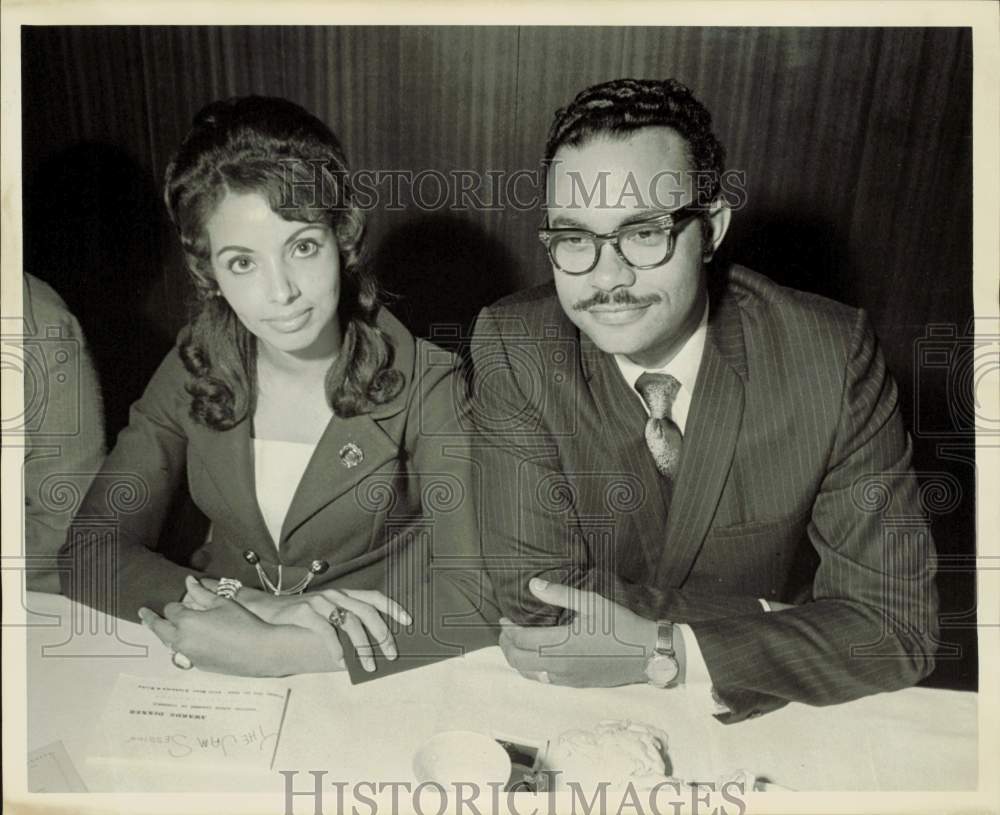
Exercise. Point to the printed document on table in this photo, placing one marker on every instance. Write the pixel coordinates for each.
(191, 721)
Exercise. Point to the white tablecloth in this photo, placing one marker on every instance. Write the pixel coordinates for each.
(912, 739)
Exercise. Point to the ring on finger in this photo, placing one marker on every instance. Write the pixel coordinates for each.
(228, 588)
(337, 617)
(181, 661)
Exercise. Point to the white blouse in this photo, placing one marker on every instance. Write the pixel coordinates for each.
(278, 469)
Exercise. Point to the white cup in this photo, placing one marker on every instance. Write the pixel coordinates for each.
(461, 756)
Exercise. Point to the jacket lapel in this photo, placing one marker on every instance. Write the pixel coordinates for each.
(348, 451)
(670, 543)
(713, 427)
(352, 448)
(334, 468)
(228, 459)
(621, 447)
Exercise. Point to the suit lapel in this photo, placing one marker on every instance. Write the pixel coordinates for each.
(352, 448)
(622, 449)
(713, 427)
(348, 451)
(228, 459)
(333, 469)
(669, 545)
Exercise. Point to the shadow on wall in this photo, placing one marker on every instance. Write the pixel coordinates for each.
(802, 253)
(93, 229)
(942, 424)
(440, 270)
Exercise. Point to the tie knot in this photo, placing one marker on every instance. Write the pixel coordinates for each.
(658, 391)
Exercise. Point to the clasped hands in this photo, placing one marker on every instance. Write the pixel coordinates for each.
(605, 644)
(259, 634)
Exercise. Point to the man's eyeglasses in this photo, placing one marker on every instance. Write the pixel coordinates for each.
(642, 245)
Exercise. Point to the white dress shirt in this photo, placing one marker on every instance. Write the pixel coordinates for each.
(684, 368)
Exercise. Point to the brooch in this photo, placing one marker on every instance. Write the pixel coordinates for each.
(351, 455)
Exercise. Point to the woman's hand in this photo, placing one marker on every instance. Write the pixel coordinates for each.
(226, 638)
(313, 609)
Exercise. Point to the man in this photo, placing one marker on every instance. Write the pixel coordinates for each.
(691, 476)
(63, 425)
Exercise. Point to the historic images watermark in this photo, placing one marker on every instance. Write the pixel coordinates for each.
(316, 185)
(670, 796)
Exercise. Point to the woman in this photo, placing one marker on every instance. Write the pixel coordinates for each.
(318, 436)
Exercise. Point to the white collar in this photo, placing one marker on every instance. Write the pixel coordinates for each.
(684, 366)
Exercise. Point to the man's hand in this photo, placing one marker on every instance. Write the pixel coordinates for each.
(604, 645)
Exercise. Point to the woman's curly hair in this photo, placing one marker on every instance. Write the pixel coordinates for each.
(275, 148)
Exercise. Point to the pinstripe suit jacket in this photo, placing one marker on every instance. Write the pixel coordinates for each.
(795, 485)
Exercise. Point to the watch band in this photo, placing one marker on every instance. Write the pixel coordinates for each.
(665, 638)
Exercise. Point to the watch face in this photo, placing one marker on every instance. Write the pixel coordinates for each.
(661, 670)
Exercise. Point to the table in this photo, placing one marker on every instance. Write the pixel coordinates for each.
(917, 738)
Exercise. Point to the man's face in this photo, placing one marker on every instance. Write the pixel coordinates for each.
(644, 314)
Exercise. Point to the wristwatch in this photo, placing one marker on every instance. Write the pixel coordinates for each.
(662, 669)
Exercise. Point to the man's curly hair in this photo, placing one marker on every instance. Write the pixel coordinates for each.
(622, 106)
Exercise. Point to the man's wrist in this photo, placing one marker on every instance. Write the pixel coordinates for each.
(680, 653)
(647, 638)
(664, 663)
(650, 635)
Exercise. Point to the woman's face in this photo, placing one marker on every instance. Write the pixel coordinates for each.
(281, 278)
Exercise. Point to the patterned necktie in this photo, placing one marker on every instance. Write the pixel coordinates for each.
(662, 436)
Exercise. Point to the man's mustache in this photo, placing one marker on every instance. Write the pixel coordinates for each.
(620, 297)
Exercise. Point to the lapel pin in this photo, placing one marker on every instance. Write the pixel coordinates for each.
(351, 455)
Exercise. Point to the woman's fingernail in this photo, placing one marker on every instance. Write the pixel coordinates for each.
(391, 653)
(369, 665)
(505, 621)
(538, 583)
(407, 619)
(143, 615)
